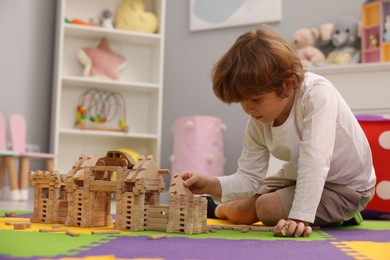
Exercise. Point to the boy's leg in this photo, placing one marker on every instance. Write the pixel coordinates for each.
(239, 211)
(340, 204)
(270, 207)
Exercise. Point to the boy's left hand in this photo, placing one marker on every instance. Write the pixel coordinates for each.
(291, 227)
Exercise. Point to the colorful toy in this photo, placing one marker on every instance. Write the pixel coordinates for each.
(131, 15)
(304, 43)
(101, 61)
(100, 107)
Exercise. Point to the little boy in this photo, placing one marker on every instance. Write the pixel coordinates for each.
(300, 118)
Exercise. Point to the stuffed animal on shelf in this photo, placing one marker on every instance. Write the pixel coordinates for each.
(130, 15)
(345, 41)
(304, 42)
(106, 19)
(101, 61)
(387, 29)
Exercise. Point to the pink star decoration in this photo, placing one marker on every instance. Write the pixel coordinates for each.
(101, 61)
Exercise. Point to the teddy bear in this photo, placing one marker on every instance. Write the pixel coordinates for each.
(345, 42)
(304, 43)
(131, 15)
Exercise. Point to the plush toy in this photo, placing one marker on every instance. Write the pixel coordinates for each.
(101, 61)
(345, 41)
(106, 20)
(304, 43)
(324, 42)
(387, 29)
(130, 15)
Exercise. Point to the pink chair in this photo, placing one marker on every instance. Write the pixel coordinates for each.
(18, 137)
(7, 162)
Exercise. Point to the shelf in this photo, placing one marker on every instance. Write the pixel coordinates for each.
(91, 32)
(363, 86)
(353, 68)
(78, 132)
(83, 82)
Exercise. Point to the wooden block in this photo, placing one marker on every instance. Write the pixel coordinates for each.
(260, 228)
(53, 229)
(105, 232)
(282, 233)
(155, 237)
(22, 226)
(9, 214)
(73, 234)
(16, 222)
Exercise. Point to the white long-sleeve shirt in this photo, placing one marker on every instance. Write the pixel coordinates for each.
(321, 141)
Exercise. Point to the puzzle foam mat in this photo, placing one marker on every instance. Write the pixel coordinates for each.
(371, 240)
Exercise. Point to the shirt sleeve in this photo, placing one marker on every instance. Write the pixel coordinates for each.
(319, 109)
(252, 166)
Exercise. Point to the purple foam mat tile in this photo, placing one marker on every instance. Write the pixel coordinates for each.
(360, 235)
(187, 248)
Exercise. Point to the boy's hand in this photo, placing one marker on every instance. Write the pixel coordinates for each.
(291, 227)
(202, 184)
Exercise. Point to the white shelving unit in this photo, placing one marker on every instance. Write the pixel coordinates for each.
(140, 83)
(364, 86)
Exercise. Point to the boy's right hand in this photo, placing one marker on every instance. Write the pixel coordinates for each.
(202, 184)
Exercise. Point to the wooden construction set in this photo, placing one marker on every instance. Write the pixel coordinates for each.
(82, 197)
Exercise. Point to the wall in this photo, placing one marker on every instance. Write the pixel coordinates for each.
(189, 57)
(26, 51)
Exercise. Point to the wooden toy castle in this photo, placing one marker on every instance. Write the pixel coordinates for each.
(82, 197)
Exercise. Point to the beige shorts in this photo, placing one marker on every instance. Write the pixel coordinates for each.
(338, 202)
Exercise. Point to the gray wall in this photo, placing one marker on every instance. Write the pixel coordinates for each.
(26, 51)
(189, 57)
(26, 54)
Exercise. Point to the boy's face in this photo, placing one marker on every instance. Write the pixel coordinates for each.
(269, 107)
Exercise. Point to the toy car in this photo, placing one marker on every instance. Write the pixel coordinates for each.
(116, 158)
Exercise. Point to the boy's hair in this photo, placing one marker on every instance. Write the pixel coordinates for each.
(260, 61)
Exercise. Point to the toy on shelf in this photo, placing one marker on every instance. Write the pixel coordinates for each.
(304, 43)
(131, 15)
(101, 61)
(387, 29)
(77, 21)
(82, 197)
(345, 42)
(373, 40)
(107, 19)
(100, 107)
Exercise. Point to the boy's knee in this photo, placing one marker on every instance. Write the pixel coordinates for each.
(269, 210)
(239, 213)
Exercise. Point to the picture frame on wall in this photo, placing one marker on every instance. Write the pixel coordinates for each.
(213, 14)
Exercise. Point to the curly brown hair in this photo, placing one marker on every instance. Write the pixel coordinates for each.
(259, 61)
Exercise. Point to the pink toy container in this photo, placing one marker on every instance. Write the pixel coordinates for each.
(198, 145)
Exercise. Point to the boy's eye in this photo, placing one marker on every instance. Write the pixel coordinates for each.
(256, 100)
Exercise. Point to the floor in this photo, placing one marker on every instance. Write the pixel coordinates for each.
(16, 205)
